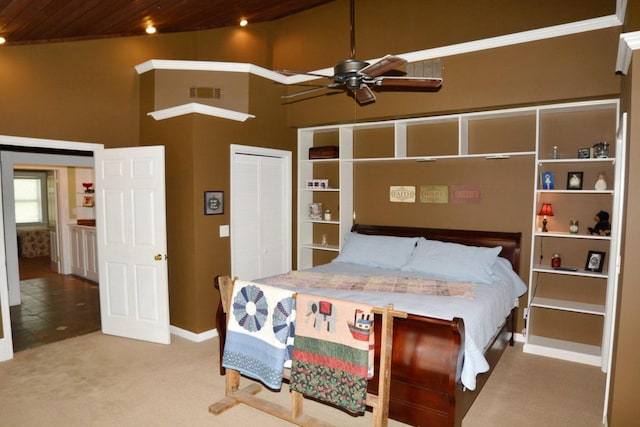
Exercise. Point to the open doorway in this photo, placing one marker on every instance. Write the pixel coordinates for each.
(55, 300)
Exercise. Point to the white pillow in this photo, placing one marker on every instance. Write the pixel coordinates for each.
(376, 251)
(453, 261)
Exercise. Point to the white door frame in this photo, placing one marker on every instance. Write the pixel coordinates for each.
(236, 149)
(6, 344)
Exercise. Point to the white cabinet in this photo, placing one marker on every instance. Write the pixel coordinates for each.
(84, 257)
(569, 314)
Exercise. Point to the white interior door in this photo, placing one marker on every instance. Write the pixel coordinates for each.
(131, 218)
(260, 212)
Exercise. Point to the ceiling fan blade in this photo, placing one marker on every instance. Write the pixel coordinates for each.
(364, 95)
(388, 63)
(417, 82)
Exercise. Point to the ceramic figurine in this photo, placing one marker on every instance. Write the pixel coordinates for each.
(573, 226)
(601, 182)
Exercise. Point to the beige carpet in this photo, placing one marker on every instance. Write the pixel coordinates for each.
(100, 380)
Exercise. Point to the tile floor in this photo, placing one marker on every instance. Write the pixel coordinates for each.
(54, 307)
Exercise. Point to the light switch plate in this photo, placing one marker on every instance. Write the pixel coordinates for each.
(224, 231)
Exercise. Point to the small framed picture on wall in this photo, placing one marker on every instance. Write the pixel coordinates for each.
(213, 202)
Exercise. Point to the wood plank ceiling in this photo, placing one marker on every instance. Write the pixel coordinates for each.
(41, 21)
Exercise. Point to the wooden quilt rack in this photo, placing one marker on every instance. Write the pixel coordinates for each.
(379, 403)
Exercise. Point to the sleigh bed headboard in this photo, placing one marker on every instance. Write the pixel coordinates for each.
(509, 241)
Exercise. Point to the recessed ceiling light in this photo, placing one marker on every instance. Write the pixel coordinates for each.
(150, 29)
(243, 22)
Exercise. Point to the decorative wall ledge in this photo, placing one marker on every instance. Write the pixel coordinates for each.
(628, 43)
(194, 107)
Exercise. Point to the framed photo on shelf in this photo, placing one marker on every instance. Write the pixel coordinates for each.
(317, 184)
(584, 153)
(595, 261)
(315, 211)
(574, 181)
(213, 202)
(547, 181)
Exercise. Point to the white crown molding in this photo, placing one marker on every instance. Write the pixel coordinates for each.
(621, 10)
(21, 141)
(194, 107)
(422, 55)
(627, 44)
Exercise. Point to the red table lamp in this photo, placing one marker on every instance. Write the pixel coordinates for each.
(545, 211)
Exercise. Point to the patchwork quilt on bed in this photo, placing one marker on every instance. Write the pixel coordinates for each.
(396, 284)
(333, 351)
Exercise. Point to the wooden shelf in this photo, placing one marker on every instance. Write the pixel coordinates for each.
(321, 247)
(566, 234)
(566, 350)
(573, 306)
(579, 272)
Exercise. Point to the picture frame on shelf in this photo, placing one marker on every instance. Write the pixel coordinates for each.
(574, 180)
(213, 202)
(595, 261)
(315, 211)
(547, 181)
(316, 184)
(87, 201)
(584, 153)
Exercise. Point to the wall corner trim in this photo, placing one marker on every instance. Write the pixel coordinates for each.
(194, 107)
(628, 43)
(192, 336)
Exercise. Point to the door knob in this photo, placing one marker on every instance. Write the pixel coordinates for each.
(158, 257)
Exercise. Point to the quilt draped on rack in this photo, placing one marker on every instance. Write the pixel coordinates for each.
(259, 332)
(333, 351)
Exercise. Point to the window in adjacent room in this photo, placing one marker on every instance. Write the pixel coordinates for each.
(30, 197)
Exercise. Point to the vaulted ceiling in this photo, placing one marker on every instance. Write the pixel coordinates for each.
(40, 21)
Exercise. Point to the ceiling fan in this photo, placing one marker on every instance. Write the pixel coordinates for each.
(360, 76)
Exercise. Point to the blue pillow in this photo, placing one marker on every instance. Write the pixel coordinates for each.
(377, 251)
(453, 261)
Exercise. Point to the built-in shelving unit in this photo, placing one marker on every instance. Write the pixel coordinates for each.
(569, 311)
(481, 135)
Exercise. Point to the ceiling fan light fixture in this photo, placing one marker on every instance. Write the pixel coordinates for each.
(150, 29)
(2, 40)
(243, 22)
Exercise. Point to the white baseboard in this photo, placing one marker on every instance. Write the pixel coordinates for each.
(519, 337)
(192, 336)
(6, 349)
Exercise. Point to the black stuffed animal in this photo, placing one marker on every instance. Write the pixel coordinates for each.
(603, 226)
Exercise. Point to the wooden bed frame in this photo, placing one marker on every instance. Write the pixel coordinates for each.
(428, 353)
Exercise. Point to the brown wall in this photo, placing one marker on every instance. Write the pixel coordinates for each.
(198, 159)
(623, 406)
(319, 38)
(533, 73)
(88, 90)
